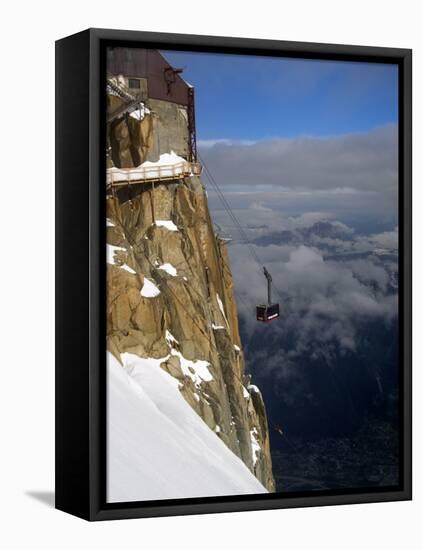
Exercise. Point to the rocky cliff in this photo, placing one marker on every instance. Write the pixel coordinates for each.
(170, 297)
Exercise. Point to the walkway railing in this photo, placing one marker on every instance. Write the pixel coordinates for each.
(119, 177)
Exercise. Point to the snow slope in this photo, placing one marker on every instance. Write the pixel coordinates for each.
(158, 447)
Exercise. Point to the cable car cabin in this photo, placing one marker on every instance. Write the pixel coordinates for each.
(266, 313)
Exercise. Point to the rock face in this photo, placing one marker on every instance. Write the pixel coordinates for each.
(170, 296)
(161, 128)
(170, 289)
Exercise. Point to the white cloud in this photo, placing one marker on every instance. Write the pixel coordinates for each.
(204, 143)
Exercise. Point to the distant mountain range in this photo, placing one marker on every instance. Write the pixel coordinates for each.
(319, 230)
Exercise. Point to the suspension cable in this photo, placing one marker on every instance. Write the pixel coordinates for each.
(233, 217)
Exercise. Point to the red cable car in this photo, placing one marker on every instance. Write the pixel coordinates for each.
(267, 312)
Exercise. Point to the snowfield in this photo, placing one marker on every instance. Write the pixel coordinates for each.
(157, 446)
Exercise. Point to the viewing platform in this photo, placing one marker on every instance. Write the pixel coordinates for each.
(168, 168)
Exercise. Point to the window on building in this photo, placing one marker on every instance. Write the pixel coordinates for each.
(134, 83)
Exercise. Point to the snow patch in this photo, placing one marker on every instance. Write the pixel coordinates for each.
(109, 223)
(196, 370)
(136, 114)
(246, 394)
(168, 268)
(236, 347)
(158, 447)
(253, 388)
(149, 290)
(255, 445)
(168, 224)
(220, 305)
(111, 250)
(170, 339)
(139, 114)
(127, 268)
(218, 327)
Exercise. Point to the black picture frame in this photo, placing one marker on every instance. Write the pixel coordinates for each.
(80, 271)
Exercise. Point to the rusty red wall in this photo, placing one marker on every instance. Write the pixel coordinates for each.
(150, 64)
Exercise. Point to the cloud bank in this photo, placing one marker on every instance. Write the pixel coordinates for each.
(349, 175)
(321, 214)
(328, 289)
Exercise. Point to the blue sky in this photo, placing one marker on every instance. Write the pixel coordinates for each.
(255, 98)
(301, 136)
